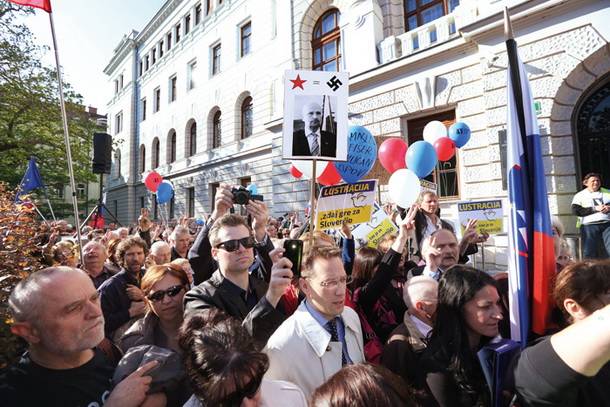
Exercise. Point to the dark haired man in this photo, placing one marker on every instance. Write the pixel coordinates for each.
(120, 296)
(592, 205)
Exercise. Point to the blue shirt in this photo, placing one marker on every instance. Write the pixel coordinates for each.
(321, 319)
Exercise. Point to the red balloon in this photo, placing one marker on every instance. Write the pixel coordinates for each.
(153, 180)
(295, 172)
(392, 154)
(330, 176)
(445, 148)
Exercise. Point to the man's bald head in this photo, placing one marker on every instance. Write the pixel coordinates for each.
(312, 116)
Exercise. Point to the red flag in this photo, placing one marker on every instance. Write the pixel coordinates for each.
(43, 4)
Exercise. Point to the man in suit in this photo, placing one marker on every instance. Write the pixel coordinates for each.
(323, 335)
(313, 141)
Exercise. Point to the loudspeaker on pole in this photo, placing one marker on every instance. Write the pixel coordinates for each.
(102, 153)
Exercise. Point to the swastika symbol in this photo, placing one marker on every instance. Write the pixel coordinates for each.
(334, 83)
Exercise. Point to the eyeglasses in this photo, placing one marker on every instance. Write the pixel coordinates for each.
(249, 391)
(171, 292)
(334, 283)
(232, 245)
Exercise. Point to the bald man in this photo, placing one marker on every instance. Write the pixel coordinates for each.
(312, 140)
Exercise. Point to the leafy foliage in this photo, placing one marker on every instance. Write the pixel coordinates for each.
(20, 234)
(30, 114)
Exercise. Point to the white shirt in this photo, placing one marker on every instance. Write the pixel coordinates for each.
(431, 228)
(588, 199)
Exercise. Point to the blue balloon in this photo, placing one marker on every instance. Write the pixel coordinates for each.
(421, 158)
(200, 222)
(459, 132)
(361, 155)
(252, 188)
(165, 192)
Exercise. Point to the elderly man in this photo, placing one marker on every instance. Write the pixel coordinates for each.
(120, 296)
(160, 253)
(94, 258)
(406, 343)
(180, 240)
(441, 251)
(57, 311)
(322, 335)
(312, 140)
(232, 289)
(428, 221)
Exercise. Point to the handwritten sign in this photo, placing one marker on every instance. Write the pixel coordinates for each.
(371, 233)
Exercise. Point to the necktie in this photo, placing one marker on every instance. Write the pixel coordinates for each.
(334, 337)
(315, 147)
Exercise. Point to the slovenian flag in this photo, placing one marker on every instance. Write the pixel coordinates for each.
(531, 254)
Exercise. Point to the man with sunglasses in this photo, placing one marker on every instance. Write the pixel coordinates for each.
(322, 335)
(232, 289)
(200, 256)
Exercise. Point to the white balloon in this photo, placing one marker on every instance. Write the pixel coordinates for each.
(306, 167)
(404, 187)
(434, 130)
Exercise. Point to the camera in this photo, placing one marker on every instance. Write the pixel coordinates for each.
(241, 196)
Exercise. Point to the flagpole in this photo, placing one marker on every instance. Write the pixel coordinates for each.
(44, 190)
(67, 138)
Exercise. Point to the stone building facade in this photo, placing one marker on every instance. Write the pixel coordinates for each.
(408, 63)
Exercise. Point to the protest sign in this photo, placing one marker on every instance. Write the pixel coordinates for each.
(489, 215)
(353, 202)
(370, 233)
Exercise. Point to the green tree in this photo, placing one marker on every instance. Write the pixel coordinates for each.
(30, 113)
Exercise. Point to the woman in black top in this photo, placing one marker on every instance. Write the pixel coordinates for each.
(466, 319)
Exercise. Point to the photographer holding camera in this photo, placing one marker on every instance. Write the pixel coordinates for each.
(228, 241)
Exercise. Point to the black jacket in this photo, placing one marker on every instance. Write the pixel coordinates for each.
(216, 292)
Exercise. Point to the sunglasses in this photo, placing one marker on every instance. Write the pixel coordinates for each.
(249, 391)
(171, 292)
(232, 245)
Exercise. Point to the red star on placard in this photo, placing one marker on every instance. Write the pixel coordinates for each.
(298, 82)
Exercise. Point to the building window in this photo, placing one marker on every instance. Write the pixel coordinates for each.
(187, 24)
(172, 88)
(171, 208)
(156, 153)
(178, 27)
(171, 147)
(216, 59)
(161, 45)
(446, 174)
(143, 105)
(117, 164)
(147, 63)
(116, 86)
(190, 202)
(246, 32)
(246, 118)
(326, 42)
(213, 189)
(154, 55)
(197, 13)
(208, 7)
(191, 72)
(118, 123)
(192, 140)
(121, 81)
(141, 68)
(421, 12)
(216, 130)
(80, 191)
(169, 41)
(142, 157)
(157, 105)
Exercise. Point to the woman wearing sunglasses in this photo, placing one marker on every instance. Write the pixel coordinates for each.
(164, 288)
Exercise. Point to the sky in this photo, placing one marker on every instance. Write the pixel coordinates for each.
(87, 33)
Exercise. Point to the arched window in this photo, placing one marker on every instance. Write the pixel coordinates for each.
(246, 118)
(593, 129)
(192, 140)
(117, 164)
(156, 153)
(216, 130)
(171, 147)
(326, 42)
(142, 158)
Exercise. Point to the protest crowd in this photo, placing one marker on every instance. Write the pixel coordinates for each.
(215, 313)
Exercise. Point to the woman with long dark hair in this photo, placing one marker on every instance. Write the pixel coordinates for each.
(467, 318)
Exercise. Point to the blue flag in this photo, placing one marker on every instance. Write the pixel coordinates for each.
(31, 180)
